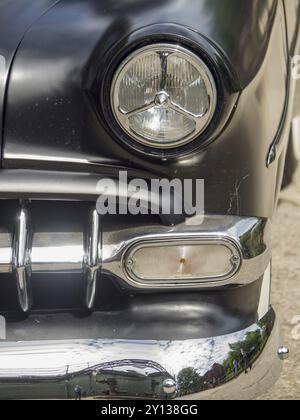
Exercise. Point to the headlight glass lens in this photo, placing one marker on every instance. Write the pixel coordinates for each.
(163, 96)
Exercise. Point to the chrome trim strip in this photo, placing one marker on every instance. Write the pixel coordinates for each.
(19, 156)
(21, 260)
(35, 184)
(93, 258)
(277, 146)
(111, 368)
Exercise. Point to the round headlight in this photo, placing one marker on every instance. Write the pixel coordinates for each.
(163, 96)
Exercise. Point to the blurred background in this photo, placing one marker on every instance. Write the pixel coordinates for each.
(286, 283)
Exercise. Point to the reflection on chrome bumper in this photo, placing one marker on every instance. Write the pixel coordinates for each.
(204, 368)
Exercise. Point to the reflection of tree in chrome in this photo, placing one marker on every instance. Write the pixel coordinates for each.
(188, 381)
(241, 358)
(243, 353)
(254, 241)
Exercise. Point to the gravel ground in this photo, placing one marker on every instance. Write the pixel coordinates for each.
(286, 285)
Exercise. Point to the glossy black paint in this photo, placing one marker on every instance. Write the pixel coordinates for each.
(16, 17)
(164, 316)
(54, 111)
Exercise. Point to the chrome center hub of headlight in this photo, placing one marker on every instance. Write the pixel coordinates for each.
(163, 96)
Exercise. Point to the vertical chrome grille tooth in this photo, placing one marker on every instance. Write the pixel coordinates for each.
(92, 259)
(21, 260)
(25, 252)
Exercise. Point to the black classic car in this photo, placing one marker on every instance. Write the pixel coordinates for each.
(113, 283)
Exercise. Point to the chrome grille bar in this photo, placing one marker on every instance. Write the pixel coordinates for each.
(49, 252)
(104, 246)
(21, 261)
(93, 258)
(26, 252)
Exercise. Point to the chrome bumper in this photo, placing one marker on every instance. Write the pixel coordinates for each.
(213, 368)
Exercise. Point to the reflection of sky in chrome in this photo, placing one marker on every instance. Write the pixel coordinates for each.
(58, 254)
(59, 358)
(5, 256)
(201, 355)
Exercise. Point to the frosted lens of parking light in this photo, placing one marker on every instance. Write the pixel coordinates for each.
(182, 262)
(163, 96)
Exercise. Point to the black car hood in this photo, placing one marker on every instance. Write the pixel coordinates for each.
(48, 113)
(57, 98)
(16, 17)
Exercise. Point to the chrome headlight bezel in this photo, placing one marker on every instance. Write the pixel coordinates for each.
(201, 122)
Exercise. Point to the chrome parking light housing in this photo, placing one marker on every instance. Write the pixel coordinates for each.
(243, 244)
(248, 241)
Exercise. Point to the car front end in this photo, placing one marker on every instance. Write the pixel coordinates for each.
(114, 283)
